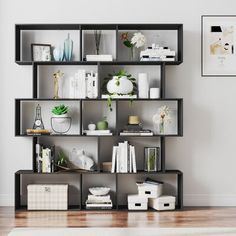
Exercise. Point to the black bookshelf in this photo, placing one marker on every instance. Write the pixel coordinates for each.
(81, 28)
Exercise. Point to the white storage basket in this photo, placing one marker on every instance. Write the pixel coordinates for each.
(163, 203)
(150, 190)
(136, 202)
(47, 196)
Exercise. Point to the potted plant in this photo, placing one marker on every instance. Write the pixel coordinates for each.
(119, 83)
(60, 112)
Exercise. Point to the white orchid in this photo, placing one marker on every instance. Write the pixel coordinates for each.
(138, 40)
(163, 115)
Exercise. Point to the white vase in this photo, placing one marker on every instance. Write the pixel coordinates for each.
(61, 118)
(143, 85)
(58, 53)
(120, 85)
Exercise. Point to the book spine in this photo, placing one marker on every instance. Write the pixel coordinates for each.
(134, 160)
(114, 156)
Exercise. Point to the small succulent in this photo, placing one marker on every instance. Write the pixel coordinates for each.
(60, 110)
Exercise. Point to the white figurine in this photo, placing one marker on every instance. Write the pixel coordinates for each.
(80, 160)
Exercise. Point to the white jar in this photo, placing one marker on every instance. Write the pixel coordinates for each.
(154, 93)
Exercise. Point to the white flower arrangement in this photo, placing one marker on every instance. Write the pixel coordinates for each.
(163, 115)
(138, 40)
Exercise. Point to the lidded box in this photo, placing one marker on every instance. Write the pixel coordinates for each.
(47, 197)
(137, 202)
(162, 203)
(150, 190)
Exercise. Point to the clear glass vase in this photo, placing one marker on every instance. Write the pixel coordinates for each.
(150, 159)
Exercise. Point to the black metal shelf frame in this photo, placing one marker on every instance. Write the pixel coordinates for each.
(35, 66)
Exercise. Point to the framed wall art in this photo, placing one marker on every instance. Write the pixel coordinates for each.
(218, 45)
(40, 52)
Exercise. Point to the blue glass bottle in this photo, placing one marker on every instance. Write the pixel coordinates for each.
(68, 48)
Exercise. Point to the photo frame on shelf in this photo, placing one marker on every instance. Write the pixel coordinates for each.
(40, 52)
(218, 43)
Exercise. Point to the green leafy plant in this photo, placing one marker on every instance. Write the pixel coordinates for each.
(60, 110)
(62, 159)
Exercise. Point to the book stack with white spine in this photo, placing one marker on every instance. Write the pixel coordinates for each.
(123, 158)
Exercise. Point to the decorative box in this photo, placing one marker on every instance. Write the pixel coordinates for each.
(47, 196)
(162, 203)
(150, 190)
(137, 202)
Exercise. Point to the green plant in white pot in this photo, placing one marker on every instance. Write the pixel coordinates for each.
(119, 83)
(60, 112)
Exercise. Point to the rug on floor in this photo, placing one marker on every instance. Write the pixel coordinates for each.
(122, 231)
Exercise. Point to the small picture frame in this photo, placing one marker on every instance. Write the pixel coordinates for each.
(40, 52)
(151, 159)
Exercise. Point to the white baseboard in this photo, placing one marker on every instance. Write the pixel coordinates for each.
(209, 199)
(189, 200)
(6, 200)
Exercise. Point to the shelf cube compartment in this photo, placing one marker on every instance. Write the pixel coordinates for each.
(52, 35)
(153, 74)
(139, 143)
(127, 185)
(98, 180)
(71, 145)
(72, 179)
(75, 77)
(147, 111)
(98, 110)
(154, 34)
(26, 115)
(98, 41)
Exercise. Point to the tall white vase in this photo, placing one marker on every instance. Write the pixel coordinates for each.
(143, 85)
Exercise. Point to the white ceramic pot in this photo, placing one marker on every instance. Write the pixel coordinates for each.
(125, 85)
(61, 118)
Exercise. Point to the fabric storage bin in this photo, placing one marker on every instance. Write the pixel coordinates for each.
(47, 197)
(137, 202)
(162, 203)
(150, 190)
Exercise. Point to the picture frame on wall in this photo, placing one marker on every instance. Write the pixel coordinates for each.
(218, 45)
(40, 52)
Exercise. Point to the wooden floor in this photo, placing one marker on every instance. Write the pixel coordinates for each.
(188, 217)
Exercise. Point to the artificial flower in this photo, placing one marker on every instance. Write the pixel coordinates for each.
(138, 40)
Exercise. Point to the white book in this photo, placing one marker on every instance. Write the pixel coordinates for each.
(136, 134)
(118, 156)
(122, 158)
(101, 57)
(98, 132)
(93, 198)
(114, 156)
(105, 96)
(133, 159)
(126, 145)
(130, 160)
(82, 83)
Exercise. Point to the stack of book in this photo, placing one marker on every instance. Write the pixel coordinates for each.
(83, 85)
(156, 53)
(123, 158)
(45, 157)
(135, 129)
(99, 202)
(98, 132)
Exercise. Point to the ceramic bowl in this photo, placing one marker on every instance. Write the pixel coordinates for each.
(99, 191)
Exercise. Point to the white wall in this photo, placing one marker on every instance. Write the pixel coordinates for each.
(205, 154)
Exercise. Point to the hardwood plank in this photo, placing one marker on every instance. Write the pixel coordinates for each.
(189, 217)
